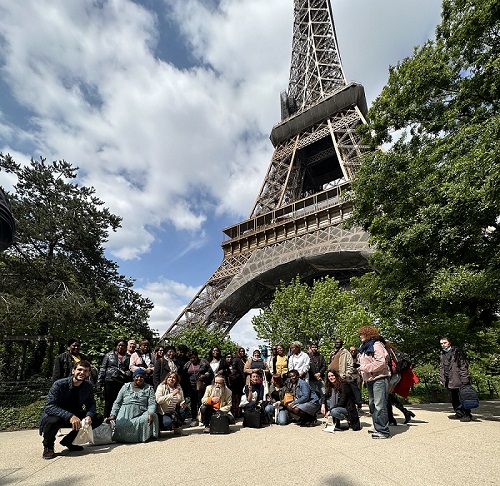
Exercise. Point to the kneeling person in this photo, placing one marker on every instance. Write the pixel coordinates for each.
(217, 397)
(64, 408)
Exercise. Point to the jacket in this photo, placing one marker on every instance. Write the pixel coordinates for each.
(167, 401)
(317, 364)
(113, 370)
(457, 373)
(64, 365)
(204, 374)
(374, 366)
(346, 366)
(58, 401)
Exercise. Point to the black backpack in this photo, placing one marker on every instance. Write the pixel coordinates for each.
(402, 361)
(469, 397)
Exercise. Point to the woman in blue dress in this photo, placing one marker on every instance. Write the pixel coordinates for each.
(135, 411)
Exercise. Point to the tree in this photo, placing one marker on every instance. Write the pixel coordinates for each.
(321, 312)
(431, 202)
(202, 339)
(56, 279)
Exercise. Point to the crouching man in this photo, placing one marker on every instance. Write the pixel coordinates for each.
(64, 408)
(216, 397)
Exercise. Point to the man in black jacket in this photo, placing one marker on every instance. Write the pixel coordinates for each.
(64, 362)
(64, 408)
(317, 368)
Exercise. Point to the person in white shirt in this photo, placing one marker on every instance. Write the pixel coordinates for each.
(298, 360)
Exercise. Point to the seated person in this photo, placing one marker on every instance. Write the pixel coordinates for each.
(253, 393)
(217, 397)
(275, 409)
(339, 401)
(64, 408)
(135, 411)
(305, 402)
(172, 408)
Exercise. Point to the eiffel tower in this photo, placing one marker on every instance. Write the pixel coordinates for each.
(295, 226)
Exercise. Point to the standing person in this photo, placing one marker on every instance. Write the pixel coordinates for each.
(280, 362)
(341, 360)
(255, 364)
(237, 381)
(373, 359)
(164, 364)
(453, 373)
(63, 367)
(215, 359)
(270, 361)
(181, 360)
(143, 358)
(113, 373)
(64, 408)
(131, 347)
(216, 397)
(317, 368)
(199, 375)
(356, 377)
(299, 361)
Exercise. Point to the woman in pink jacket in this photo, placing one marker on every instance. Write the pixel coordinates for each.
(374, 368)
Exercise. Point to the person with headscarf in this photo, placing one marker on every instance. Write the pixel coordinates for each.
(134, 411)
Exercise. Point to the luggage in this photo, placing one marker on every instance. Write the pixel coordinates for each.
(252, 419)
(219, 423)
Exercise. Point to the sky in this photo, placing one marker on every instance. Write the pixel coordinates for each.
(166, 107)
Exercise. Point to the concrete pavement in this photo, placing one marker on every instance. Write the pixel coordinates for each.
(431, 450)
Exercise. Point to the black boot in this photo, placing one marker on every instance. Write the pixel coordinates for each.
(408, 415)
(337, 425)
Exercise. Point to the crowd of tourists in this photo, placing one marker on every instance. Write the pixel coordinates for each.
(149, 390)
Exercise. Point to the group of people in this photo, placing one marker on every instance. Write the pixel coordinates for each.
(147, 391)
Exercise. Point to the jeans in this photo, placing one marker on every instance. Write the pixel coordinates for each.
(339, 413)
(318, 387)
(378, 391)
(166, 421)
(282, 414)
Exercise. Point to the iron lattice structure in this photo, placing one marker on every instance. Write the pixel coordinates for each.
(295, 226)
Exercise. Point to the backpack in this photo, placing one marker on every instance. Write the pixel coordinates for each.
(469, 397)
(219, 423)
(402, 361)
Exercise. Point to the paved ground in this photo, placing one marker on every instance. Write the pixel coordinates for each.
(431, 450)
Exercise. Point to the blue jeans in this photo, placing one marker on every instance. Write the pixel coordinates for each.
(378, 392)
(339, 413)
(166, 420)
(282, 414)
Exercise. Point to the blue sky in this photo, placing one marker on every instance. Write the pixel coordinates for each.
(166, 106)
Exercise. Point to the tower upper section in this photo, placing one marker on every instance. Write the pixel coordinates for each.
(316, 67)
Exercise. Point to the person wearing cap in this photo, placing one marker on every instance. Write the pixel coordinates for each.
(63, 365)
(134, 411)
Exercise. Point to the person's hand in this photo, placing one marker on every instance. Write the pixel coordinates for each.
(175, 392)
(149, 371)
(323, 409)
(215, 399)
(249, 388)
(277, 404)
(327, 414)
(150, 419)
(318, 376)
(76, 423)
(111, 417)
(88, 418)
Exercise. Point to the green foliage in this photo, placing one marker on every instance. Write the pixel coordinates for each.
(431, 202)
(321, 312)
(17, 418)
(55, 279)
(202, 339)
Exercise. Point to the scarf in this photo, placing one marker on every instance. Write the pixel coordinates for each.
(367, 347)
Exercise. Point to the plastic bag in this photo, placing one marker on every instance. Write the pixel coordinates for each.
(84, 435)
(329, 425)
(103, 434)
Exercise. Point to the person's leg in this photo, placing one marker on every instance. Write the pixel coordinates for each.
(269, 410)
(390, 414)
(380, 417)
(357, 392)
(282, 416)
(369, 388)
(193, 397)
(339, 413)
(166, 422)
(50, 427)
(455, 402)
(111, 390)
(206, 414)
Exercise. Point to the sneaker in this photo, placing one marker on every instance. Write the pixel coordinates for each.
(456, 416)
(178, 431)
(194, 423)
(70, 446)
(466, 418)
(48, 453)
(206, 430)
(372, 431)
(378, 435)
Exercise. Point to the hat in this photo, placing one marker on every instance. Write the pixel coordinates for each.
(138, 371)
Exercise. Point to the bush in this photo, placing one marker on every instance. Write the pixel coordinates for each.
(18, 418)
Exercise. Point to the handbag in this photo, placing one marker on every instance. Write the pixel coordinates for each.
(287, 399)
(84, 435)
(103, 434)
(219, 423)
